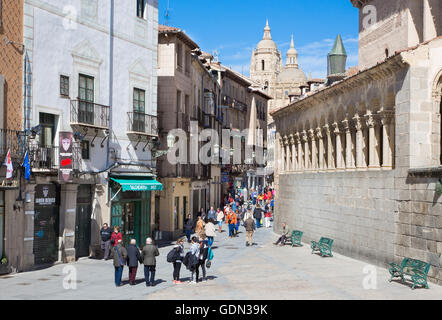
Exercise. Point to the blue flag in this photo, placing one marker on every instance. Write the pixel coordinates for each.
(27, 167)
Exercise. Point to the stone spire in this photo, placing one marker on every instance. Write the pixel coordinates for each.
(267, 34)
(292, 56)
(337, 60)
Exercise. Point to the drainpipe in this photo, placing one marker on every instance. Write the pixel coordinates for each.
(111, 76)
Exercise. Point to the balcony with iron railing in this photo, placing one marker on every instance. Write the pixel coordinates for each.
(14, 141)
(142, 124)
(47, 158)
(89, 114)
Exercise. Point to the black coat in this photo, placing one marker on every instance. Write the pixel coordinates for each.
(188, 225)
(257, 213)
(133, 256)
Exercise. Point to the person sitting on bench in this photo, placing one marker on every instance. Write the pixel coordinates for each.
(285, 234)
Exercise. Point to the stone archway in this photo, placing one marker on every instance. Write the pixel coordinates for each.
(437, 119)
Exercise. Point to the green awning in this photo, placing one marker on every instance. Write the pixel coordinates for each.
(139, 185)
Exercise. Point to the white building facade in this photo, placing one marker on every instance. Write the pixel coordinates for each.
(93, 71)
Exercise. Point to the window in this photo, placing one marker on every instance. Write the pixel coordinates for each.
(179, 55)
(47, 123)
(85, 150)
(64, 86)
(263, 65)
(141, 7)
(187, 66)
(139, 110)
(2, 223)
(178, 101)
(86, 97)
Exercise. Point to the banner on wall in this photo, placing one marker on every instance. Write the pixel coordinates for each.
(66, 157)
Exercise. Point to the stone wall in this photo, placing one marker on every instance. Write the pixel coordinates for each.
(356, 209)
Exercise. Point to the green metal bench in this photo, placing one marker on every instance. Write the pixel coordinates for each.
(296, 238)
(416, 269)
(323, 246)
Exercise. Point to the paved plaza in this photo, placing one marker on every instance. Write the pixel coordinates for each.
(261, 272)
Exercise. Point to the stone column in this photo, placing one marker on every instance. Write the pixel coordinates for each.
(314, 150)
(68, 212)
(287, 154)
(28, 250)
(300, 154)
(293, 146)
(387, 139)
(330, 157)
(340, 165)
(320, 148)
(306, 151)
(360, 160)
(281, 156)
(349, 163)
(373, 142)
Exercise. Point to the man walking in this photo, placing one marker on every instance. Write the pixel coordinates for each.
(257, 213)
(250, 228)
(120, 256)
(105, 234)
(148, 255)
(133, 258)
(211, 215)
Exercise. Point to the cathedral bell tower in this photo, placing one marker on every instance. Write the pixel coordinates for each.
(266, 62)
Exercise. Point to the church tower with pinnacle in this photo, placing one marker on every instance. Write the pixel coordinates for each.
(266, 62)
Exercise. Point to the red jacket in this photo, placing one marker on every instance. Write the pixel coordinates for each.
(116, 237)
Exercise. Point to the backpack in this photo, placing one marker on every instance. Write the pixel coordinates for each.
(172, 256)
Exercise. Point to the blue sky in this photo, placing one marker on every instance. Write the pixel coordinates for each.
(234, 27)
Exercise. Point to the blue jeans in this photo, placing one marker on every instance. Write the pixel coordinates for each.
(210, 240)
(188, 233)
(118, 275)
(151, 270)
(231, 228)
(237, 225)
(258, 223)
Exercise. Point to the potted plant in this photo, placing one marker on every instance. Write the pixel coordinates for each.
(4, 266)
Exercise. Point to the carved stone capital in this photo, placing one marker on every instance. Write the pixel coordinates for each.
(291, 139)
(336, 128)
(304, 136)
(311, 134)
(319, 133)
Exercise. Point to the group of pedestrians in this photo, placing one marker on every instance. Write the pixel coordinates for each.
(131, 256)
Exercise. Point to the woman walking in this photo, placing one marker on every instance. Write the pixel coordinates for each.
(177, 264)
(210, 232)
(120, 256)
(116, 236)
(195, 252)
(203, 249)
(188, 226)
(199, 226)
(219, 219)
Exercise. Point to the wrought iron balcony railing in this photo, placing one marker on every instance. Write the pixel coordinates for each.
(14, 141)
(89, 114)
(47, 157)
(141, 123)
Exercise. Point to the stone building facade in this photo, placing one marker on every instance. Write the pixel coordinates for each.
(189, 96)
(96, 80)
(360, 161)
(11, 134)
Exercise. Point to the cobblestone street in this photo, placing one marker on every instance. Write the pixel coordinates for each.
(263, 272)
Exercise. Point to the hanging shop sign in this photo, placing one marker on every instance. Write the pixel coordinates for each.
(66, 157)
(45, 194)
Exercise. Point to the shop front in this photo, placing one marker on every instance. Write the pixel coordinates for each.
(131, 207)
(46, 223)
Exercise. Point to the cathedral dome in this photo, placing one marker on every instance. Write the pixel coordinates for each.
(292, 75)
(266, 44)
